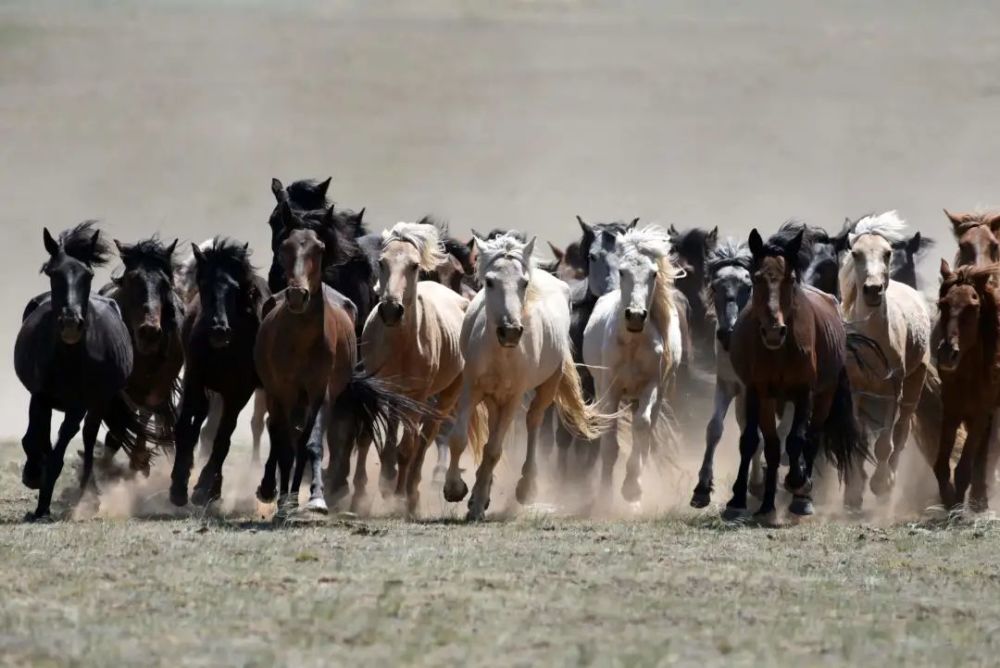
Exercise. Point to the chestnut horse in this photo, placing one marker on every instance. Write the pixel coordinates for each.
(790, 345)
(968, 358)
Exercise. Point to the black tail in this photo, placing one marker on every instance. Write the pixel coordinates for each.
(376, 403)
(843, 441)
(129, 424)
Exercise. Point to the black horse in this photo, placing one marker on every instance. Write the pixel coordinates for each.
(152, 310)
(73, 354)
(691, 250)
(218, 334)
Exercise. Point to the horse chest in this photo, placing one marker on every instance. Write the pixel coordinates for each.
(635, 363)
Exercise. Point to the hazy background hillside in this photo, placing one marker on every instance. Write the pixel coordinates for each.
(173, 116)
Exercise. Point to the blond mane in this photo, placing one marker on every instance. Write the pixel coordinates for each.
(425, 238)
(887, 225)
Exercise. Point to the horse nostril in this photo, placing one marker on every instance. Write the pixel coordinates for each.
(782, 330)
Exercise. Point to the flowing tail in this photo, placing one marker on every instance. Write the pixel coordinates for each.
(579, 417)
(478, 431)
(843, 441)
(132, 427)
(376, 403)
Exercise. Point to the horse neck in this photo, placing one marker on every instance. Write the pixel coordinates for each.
(989, 333)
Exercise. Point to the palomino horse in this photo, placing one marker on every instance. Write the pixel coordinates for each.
(515, 338)
(412, 338)
(305, 354)
(73, 354)
(219, 331)
(969, 362)
(894, 316)
(152, 311)
(729, 288)
(790, 345)
(633, 345)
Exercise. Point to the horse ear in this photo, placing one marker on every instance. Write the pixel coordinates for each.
(51, 245)
(559, 254)
(322, 187)
(120, 246)
(793, 248)
(172, 247)
(199, 257)
(285, 213)
(672, 231)
(361, 214)
(95, 240)
(755, 242)
(956, 220)
(994, 223)
(529, 249)
(246, 247)
(278, 190)
(588, 231)
(632, 225)
(913, 244)
(840, 241)
(712, 238)
(945, 270)
(982, 280)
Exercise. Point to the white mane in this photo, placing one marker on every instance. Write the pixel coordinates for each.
(424, 237)
(651, 241)
(505, 245)
(887, 225)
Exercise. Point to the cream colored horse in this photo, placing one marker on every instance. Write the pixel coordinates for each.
(633, 345)
(895, 316)
(515, 339)
(412, 340)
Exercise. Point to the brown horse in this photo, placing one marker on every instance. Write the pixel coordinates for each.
(306, 351)
(790, 344)
(976, 233)
(968, 357)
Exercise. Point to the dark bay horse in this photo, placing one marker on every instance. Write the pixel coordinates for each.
(218, 334)
(968, 359)
(152, 311)
(790, 345)
(306, 356)
(691, 250)
(73, 354)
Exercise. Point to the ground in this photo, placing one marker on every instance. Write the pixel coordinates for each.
(529, 589)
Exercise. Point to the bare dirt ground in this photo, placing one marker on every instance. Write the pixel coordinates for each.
(173, 116)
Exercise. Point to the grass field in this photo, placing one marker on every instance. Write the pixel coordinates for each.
(533, 589)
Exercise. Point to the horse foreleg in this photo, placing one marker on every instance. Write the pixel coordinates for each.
(527, 486)
(978, 429)
(884, 479)
(447, 399)
(307, 451)
(257, 423)
(942, 465)
(314, 446)
(88, 486)
(455, 488)
(37, 441)
(211, 426)
(800, 445)
(749, 440)
(713, 434)
(642, 436)
(500, 423)
(194, 407)
(611, 400)
(388, 458)
(53, 462)
(209, 485)
(277, 436)
(983, 471)
(772, 454)
(360, 503)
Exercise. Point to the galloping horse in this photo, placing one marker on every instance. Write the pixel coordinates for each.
(515, 338)
(412, 338)
(790, 345)
(976, 233)
(218, 333)
(691, 249)
(895, 317)
(969, 362)
(633, 346)
(73, 354)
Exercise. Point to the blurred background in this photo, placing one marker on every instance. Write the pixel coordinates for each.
(173, 116)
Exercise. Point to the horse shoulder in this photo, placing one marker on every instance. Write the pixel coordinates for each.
(911, 324)
(598, 332)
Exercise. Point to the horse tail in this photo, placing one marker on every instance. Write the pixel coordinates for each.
(578, 416)
(133, 427)
(478, 431)
(843, 441)
(377, 403)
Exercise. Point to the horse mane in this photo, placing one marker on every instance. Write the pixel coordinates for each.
(811, 235)
(78, 243)
(654, 243)
(730, 252)
(231, 257)
(963, 222)
(887, 225)
(149, 253)
(506, 244)
(341, 245)
(423, 236)
(305, 195)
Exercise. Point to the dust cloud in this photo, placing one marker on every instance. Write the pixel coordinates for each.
(173, 118)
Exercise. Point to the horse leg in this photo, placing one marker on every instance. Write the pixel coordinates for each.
(749, 440)
(36, 442)
(942, 465)
(388, 459)
(908, 400)
(713, 434)
(211, 427)
(277, 435)
(501, 417)
(341, 432)
(978, 429)
(609, 446)
(983, 471)
(308, 452)
(194, 408)
(447, 399)
(642, 437)
(772, 455)
(54, 462)
(441, 466)
(407, 451)
(314, 446)
(209, 485)
(455, 488)
(257, 422)
(527, 486)
(360, 503)
(88, 486)
(564, 443)
(800, 444)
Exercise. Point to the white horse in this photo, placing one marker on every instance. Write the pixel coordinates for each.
(515, 339)
(633, 345)
(895, 316)
(184, 279)
(412, 340)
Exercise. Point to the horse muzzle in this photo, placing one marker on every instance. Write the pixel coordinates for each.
(635, 319)
(509, 335)
(773, 336)
(147, 338)
(948, 356)
(70, 327)
(297, 299)
(220, 337)
(391, 312)
(873, 295)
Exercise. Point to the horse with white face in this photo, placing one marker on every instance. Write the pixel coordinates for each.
(895, 316)
(412, 340)
(515, 339)
(633, 345)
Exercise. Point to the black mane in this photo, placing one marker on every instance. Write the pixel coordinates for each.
(150, 254)
(229, 256)
(341, 244)
(308, 194)
(78, 243)
(787, 233)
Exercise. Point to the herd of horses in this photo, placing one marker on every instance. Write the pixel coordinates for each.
(408, 337)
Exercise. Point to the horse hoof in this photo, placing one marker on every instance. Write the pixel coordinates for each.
(525, 491)
(317, 505)
(455, 490)
(978, 504)
(801, 506)
(631, 491)
(797, 484)
(38, 518)
(178, 496)
(266, 495)
(882, 484)
(387, 483)
(734, 514)
(700, 499)
(766, 516)
(475, 514)
(203, 497)
(31, 477)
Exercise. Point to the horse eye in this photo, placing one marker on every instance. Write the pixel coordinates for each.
(489, 282)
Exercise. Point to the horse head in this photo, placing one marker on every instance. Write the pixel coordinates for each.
(599, 256)
(963, 294)
(505, 268)
(224, 278)
(774, 272)
(70, 269)
(729, 285)
(407, 249)
(147, 291)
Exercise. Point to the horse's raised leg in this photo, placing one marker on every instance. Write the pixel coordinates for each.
(211, 426)
(209, 485)
(749, 440)
(37, 441)
(314, 446)
(455, 488)
(441, 465)
(942, 465)
(800, 446)
(194, 408)
(978, 429)
(277, 436)
(309, 451)
(88, 486)
(257, 423)
(884, 479)
(360, 503)
(642, 437)
(388, 458)
(501, 417)
(527, 486)
(984, 471)
(53, 462)
(447, 399)
(713, 434)
(407, 452)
